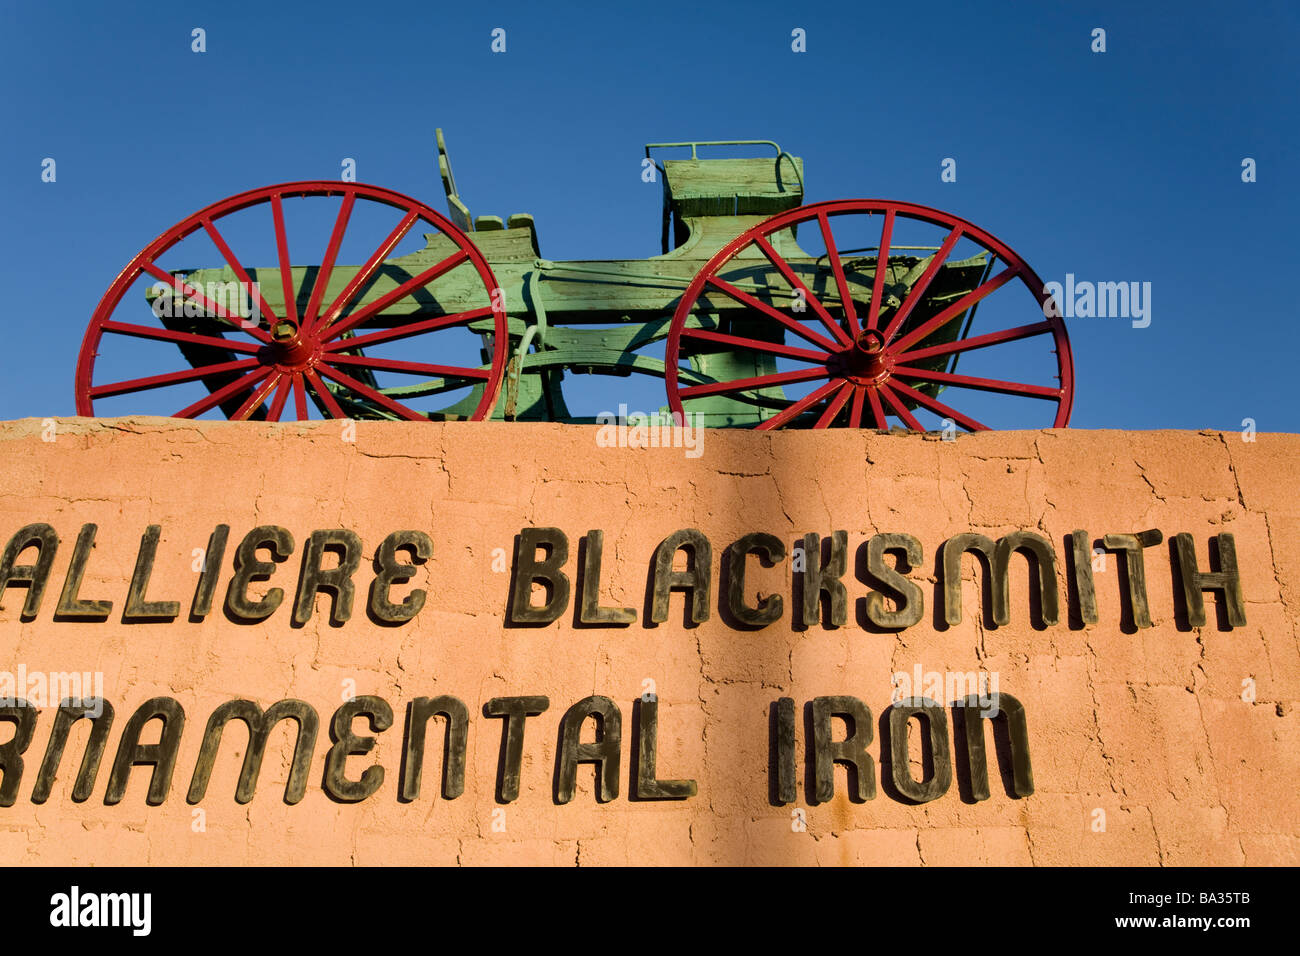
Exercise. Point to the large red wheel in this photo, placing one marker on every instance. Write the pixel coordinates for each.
(324, 352)
(869, 343)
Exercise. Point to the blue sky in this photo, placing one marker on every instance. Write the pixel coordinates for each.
(1115, 166)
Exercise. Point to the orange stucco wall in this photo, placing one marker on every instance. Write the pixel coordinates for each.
(1187, 739)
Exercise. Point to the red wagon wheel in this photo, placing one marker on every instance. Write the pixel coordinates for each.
(252, 369)
(866, 349)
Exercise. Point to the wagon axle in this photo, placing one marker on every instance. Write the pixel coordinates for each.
(762, 312)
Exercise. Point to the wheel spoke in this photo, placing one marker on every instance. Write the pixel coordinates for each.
(795, 282)
(939, 408)
(833, 407)
(982, 384)
(917, 292)
(882, 266)
(376, 397)
(756, 345)
(957, 308)
(255, 400)
(795, 326)
(877, 411)
(242, 274)
(365, 273)
(281, 396)
(300, 397)
(841, 280)
(759, 381)
(797, 408)
(220, 395)
(327, 399)
(403, 331)
(327, 265)
(401, 292)
(188, 338)
(978, 342)
(171, 378)
(855, 413)
(908, 419)
(282, 248)
(414, 368)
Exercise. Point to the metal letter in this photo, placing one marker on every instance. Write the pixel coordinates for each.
(770, 549)
(336, 581)
(851, 751)
(549, 572)
(998, 558)
(1226, 580)
(100, 713)
(248, 569)
(347, 744)
(786, 785)
(648, 786)
(695, 579)
(1012, 714)
(603, 752)
(207, 586)
(70, 606)
(161, 755)
(591, 612)
(899, 753)
(47, 543)
(1081, 562)
(1130, 546)
(818, 579)
(259, 726)
(455, 744)
(137, 608)
(911, 600)
(515, 710)
(392, 571)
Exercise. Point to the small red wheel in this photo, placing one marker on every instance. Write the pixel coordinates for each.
(871, 343)
(329, 355)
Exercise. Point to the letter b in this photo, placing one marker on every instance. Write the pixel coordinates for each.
(546, 571)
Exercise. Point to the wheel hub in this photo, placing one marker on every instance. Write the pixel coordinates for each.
(867, 361)
(292, 349)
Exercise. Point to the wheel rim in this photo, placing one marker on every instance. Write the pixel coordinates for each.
(862, 360)
(293, 355)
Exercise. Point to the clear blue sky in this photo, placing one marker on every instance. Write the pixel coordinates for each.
(1117, 166)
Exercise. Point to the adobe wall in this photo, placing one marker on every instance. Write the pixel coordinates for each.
(1174, 744)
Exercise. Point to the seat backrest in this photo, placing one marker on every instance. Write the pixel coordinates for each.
(759, 186)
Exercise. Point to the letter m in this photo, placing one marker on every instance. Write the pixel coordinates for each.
(259, 726)
(64, 685)
(119, 905)
(229, 297)
(997, 562)
(961, 684)
(1112, 299)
